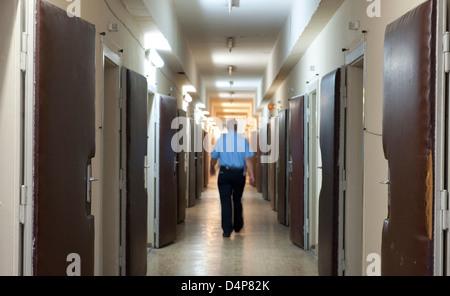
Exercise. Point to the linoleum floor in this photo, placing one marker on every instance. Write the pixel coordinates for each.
(262, 248)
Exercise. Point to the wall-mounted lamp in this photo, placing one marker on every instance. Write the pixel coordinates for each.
(188, 98)
(155, 59)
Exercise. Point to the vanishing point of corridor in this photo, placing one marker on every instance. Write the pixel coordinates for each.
(262, 248)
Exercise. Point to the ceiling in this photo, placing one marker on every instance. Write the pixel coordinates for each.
(254, 26)
(207, 25)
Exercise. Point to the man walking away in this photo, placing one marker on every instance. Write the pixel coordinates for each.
(234, 155)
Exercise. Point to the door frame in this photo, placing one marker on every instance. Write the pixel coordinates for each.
(442, 149)
(352, 58)
(312, 164)
(28, 136)
(108, 52)
(152, 166)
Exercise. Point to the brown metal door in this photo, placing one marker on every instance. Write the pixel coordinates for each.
(282, 168)
(198, 165)
(272, 171)
(182, 175)
(408, 140)
(64, 138)
(330, 144)
(192, 171)
(168, 193)
(297, 179)
(265, 166)
(135, 86)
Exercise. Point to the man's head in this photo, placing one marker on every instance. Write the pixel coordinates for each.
(232, 125)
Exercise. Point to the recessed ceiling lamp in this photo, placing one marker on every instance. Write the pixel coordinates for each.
(230, 43)
(230, 70)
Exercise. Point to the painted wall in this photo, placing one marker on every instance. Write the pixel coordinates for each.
(325, 53)
(10, 149)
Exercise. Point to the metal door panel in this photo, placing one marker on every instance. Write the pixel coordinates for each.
(182, 176)
(265, 166)
(282, 168)
(168, 197)
(297, 177)
(135, 155)
(330, 144)
(192, 170)
(408, 141)
(64, 138)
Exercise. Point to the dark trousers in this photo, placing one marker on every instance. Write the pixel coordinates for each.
(231, 184)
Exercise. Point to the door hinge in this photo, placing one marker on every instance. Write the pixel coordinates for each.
(23, 51)
(344, 180)
(446, 50)
(307, 226)
(121, 179)
(345, 96)
(23, 204)
(343, 261)
(121, 257)
(445, 210)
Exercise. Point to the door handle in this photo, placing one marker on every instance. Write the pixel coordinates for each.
(90, 179)
(388, 182)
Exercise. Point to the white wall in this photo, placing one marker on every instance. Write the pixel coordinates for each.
(10, 144)
(325, 53)
(165, 17)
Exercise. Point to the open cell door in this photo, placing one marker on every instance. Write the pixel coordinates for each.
(409, 142)
(272, 166)
(64, 138)
(282, 182)
(331, 195)
(192, 168)
(264, 166)
(182, 158)
(297, 171)
(167, 197)
(134, 145)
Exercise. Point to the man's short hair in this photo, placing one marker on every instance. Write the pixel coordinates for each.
(232, 125)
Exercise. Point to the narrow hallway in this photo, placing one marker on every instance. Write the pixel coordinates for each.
(262, 248)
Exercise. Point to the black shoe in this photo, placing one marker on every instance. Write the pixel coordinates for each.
(225, 234)
(237, 230)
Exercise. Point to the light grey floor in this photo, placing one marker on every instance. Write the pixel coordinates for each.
(262, 248)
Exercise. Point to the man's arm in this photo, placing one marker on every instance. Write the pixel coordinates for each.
(249, 163)
(212, 169)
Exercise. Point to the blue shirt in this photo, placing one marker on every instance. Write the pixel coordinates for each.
(232, 150)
